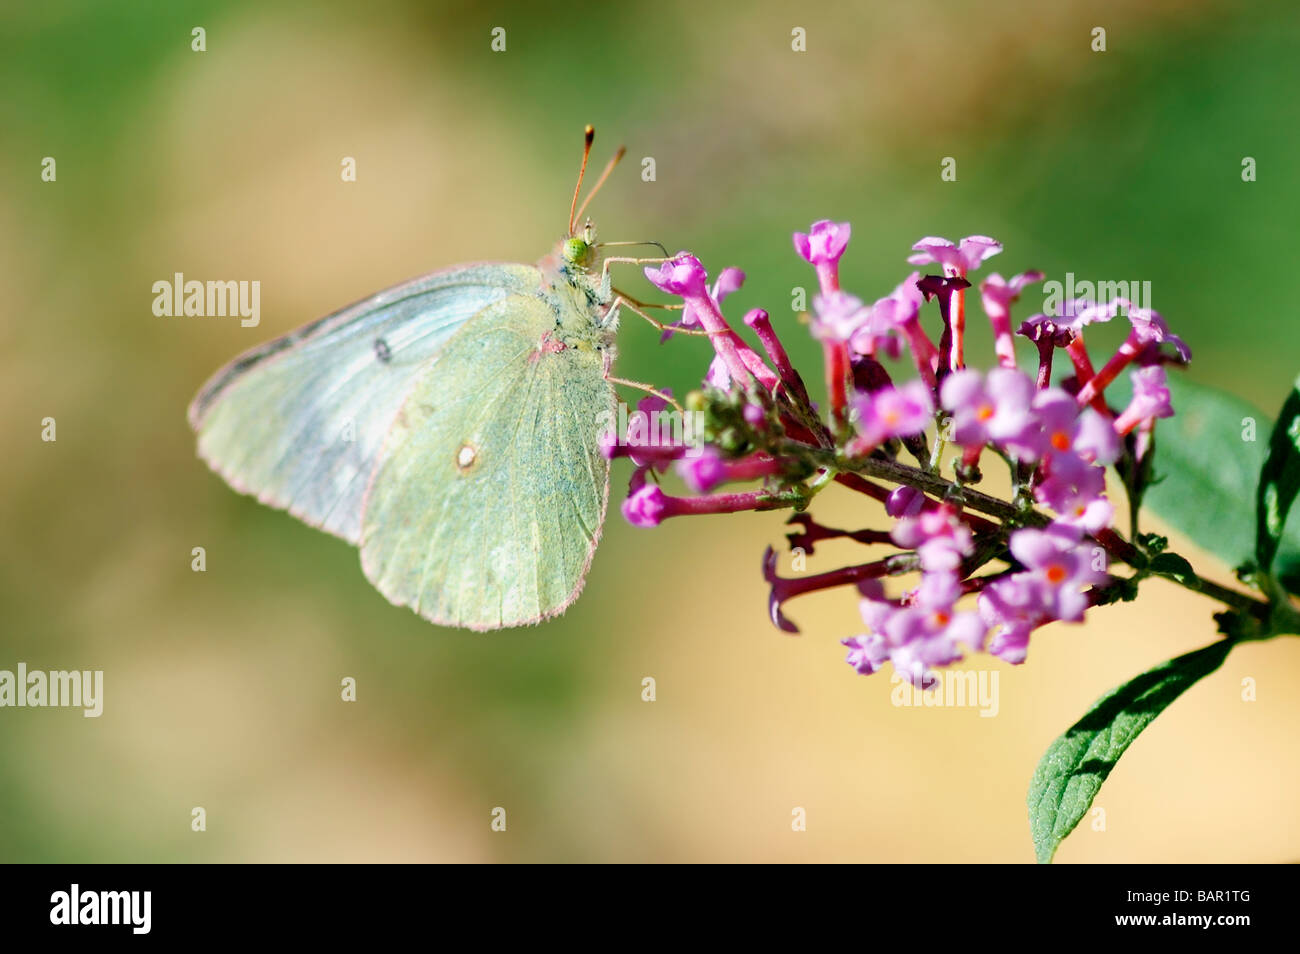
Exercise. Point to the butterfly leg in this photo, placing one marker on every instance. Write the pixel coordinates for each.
(621, 301)
(635, 306)
(605, 282)
(646, 388)
(604, 267)
(646, 304)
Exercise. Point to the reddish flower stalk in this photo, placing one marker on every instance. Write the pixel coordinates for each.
(1083, 372)
(1047, 336)
(813, 532)
(1046, 349)
(836, 356)
(957, 359)
(924, 352)
(933, 286)
(1092, 391)
(977, 523)
(863, 486)
(787, 588)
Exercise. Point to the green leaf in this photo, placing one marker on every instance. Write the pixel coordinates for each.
(1279, 480)
(1171, 564)
(1208, 457)
(1072, 769)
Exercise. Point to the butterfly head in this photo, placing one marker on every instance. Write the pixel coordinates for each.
(579, 251)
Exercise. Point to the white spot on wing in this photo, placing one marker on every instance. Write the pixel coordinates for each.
(466, 456)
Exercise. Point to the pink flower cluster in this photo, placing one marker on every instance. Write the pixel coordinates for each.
(991, 570)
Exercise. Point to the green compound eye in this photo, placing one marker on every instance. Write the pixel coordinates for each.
(576, 251)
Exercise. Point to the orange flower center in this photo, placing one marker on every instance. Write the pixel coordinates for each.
(985, 412)
(1055, 574)
(1061, 441)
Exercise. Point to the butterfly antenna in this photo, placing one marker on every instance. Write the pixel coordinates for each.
(588, 135)
(609, 167)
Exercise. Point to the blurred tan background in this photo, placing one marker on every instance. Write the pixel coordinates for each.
(222, 688)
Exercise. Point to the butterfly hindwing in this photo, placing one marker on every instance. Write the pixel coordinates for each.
(490, 492)
(300, 421)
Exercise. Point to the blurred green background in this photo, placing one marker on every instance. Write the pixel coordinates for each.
(222, 688)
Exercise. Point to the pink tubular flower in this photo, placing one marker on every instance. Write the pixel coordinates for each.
(684, 276)
(901, 310)
(926, 645)
(648, 437)
(1060, 566)
(822, 247)
(1067, 331)
(1150, 399)
(729, 280)
(950, 293)
(645, 502)
(838, 316)
(1091, 516)
(703, 473)
(648, 441)
(1069, 483)
(761, 322)
(708, 470)
(957, 260)
(939, 538)
(867, 653)
(1067, 428)
(890, 412)
(1078, 313)
(999, 295)
(1057, 569)
(1148, 330)
(924, 633)
(1077, 443)
(995, 409)
(901, 306)
(648, 506)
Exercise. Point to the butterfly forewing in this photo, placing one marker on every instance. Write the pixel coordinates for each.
(300, 421)
(490, 493)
